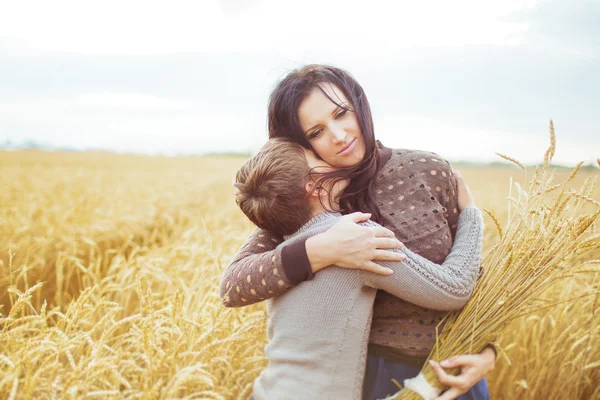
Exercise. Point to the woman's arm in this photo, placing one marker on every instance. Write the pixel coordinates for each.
(265, 267)
(442, 287)
(256, 272)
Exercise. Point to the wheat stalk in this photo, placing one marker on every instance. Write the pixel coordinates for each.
(550, 152)
(493, 217)
(530, 256)
(512, 160)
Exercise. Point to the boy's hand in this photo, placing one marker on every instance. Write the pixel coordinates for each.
(465, 198)
(349, 245)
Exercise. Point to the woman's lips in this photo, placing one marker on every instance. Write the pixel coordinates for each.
(348, 149)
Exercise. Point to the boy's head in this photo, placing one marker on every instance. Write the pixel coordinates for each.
(276, 188)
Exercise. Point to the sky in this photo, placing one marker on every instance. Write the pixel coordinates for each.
(465, 79)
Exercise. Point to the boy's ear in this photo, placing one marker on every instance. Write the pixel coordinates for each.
(309, 187)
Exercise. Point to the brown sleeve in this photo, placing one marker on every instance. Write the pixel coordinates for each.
(261, 270)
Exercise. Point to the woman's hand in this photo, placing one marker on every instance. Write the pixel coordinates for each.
(473, 368)
(465, 198)
(349, 245)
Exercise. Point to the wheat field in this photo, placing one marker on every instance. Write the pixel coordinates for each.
(109, 274)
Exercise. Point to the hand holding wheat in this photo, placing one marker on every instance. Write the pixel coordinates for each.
(472, 370)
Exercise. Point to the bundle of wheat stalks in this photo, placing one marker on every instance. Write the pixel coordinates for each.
(549, 236)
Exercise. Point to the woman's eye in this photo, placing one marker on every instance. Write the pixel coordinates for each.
(341, 113)
(315, 134)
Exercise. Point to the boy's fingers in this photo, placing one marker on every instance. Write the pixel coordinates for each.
(376, 268)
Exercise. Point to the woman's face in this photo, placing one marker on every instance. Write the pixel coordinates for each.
(332, 131)
(320, 166)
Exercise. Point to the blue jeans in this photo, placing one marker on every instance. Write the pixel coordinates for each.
(378, 383)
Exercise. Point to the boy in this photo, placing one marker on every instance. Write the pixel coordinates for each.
(318, 331)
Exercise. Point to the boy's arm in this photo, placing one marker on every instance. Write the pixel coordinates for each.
(441, 287)
(261, 269)
(445, 190)
(448, 198)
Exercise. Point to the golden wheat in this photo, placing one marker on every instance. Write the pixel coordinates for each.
(512, 160)
(109, 272)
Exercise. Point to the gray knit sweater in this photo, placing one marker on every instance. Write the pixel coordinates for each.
(318, 332)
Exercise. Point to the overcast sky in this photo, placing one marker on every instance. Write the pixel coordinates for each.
(465, 78)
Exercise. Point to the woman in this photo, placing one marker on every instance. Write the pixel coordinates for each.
(412, 193)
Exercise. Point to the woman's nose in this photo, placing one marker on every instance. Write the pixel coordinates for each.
(339, 134)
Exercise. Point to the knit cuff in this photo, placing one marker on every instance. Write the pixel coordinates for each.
(295, 263)
(471, 214)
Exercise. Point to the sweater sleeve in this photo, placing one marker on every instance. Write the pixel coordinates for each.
(448, 197)
(441, 287)
(449, 200)
(262, 269)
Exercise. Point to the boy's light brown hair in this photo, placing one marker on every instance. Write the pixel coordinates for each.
(271, 187)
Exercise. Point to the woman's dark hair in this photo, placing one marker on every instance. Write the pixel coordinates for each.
(283, 122)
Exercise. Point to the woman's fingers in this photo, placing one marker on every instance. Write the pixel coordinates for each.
(380, 231)
(458, 361)
(376, 268)
(356, 246)
(386, 255)
(449, 394)
(359, 217)
(444, 377)
(387, 243)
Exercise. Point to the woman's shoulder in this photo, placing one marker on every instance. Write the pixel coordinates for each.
(412, 163)
(418, 167)
(412, 156)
